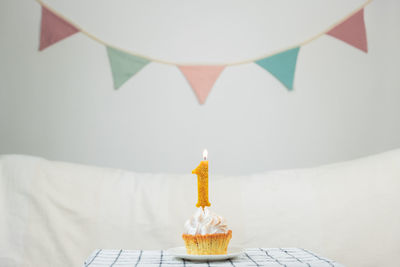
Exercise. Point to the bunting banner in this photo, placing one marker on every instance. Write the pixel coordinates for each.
(124, 65)
(53, 29)
(201, 78)
(352, 31)
(282, 66)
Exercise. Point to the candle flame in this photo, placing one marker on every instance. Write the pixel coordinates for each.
(205, 154)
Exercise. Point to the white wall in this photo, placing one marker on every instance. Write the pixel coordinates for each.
(60, 104)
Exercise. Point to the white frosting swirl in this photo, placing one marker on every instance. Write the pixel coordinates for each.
(205, 222)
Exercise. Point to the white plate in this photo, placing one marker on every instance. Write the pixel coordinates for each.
(180, 252)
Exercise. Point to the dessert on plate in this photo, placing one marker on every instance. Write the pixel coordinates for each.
(205, 233)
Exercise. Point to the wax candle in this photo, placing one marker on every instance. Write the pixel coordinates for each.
(202, 182)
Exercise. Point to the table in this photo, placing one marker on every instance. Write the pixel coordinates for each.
(289, 257)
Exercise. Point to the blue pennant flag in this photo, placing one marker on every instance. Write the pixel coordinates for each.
(282, 66)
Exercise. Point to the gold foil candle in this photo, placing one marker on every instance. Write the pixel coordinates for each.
(202, 182)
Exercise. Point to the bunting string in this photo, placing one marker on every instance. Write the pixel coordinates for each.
(201, 76)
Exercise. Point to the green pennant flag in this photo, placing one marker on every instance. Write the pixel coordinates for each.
(282, 66)
(124, 65)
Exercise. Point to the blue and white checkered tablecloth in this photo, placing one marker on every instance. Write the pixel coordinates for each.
(289, 257)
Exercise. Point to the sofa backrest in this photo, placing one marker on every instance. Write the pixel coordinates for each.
(56, 214)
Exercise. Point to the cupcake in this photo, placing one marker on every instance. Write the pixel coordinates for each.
(206, 233)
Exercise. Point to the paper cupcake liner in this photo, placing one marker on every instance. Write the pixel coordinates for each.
(210, 244)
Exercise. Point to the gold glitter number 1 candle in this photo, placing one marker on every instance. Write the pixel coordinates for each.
(202, 182)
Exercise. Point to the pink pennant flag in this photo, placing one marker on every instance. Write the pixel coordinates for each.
(201, 79)
(53, 29)
(352, 31)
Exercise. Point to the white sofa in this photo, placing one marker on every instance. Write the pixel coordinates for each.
(56, 214)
